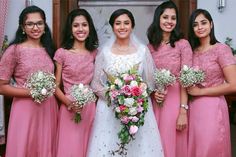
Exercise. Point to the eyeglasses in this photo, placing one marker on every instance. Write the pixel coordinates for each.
(31, 25)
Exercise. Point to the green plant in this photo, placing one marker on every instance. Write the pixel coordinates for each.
(228, 42)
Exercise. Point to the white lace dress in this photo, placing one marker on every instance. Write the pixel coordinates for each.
(104, 136)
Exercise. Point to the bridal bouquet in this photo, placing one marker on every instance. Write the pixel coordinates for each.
(41, 85)
(128, 95)
(190, 76)
(82, 95)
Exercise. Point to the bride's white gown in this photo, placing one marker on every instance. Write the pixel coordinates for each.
(104, 136)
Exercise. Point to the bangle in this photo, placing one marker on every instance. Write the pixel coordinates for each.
(184, 106)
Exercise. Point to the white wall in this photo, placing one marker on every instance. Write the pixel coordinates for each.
(15, 8)
(225, 22)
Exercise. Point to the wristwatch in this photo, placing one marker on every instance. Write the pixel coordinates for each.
(184, 106)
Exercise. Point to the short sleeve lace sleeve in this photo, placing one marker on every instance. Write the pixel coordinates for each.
(186, 53)
(59, 57)
(8, 63)
(225, 56)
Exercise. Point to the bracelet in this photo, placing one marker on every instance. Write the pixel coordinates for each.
(184, 106)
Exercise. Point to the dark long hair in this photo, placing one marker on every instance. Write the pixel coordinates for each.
(91, 42)
(155, 33)
(193, 39)
(119, 12)
(46, 38)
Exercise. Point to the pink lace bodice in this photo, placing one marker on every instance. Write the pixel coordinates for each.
(167, 57)
(212, 63)
(76, 67)
(19, 62)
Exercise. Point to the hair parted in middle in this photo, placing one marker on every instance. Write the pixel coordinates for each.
(91, 42)
(119, 12)
(155, 33)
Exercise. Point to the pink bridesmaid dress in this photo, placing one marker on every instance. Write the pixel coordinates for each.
(32, 126)
(174, 142)
(209, 130)
(73, 137)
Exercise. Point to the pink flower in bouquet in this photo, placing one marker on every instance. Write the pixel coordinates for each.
(125, 119)
(140, 101)
(128, 78)
(140, 109)
(136, 91)
(134, 119)
(126, 90)
(122, 107)
(133, 129)
(114, 93)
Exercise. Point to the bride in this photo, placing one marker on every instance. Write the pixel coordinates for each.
(117, 56)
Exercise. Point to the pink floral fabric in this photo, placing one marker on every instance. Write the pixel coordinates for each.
(212, 62)
(77, 67)
(172, 58)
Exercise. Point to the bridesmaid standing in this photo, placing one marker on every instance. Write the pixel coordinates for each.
(209, 130)
(170, 52)
(75, 64)
(32, 126)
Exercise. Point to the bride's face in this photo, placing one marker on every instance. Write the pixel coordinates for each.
(122, 27)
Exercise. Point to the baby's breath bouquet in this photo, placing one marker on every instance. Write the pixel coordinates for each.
(163, 79)
(82, 95)
(41, 85)
(190, 76)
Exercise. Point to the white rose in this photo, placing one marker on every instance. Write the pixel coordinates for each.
(118, 82)
(44, 91)
(133, 83)
(129, 102)
(133, 111)
(117, 109)
(145, 94)
(112, 87)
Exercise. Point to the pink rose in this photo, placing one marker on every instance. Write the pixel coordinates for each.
(133, 129)
(124, 119)
(140, 101)
(126, 90)
(136, 91)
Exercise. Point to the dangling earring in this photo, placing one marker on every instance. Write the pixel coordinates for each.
(23, 32)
